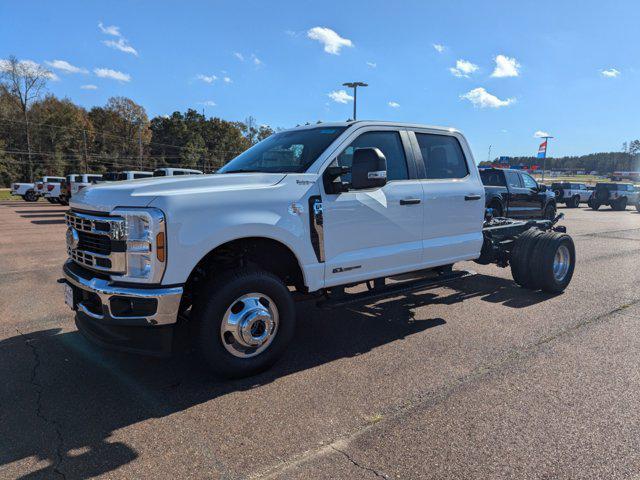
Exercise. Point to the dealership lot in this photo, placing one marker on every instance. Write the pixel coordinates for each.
(480, 379)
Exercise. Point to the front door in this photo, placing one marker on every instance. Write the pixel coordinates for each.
(377, 232)
(535, 199)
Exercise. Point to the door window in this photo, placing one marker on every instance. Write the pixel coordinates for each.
(528, 181)
(513, 179)
(389, 144)
(442, 156)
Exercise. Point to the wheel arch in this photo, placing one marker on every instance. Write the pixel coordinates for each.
(263, 252)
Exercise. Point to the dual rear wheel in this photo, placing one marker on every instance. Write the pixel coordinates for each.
(543, 260)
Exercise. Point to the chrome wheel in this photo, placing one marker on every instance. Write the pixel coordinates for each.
(561, 263)
(249, 325)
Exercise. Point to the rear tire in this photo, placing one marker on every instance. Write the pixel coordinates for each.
(594, 205)
(638, 206)
(259, 301)
(552, 262)
(522, 251)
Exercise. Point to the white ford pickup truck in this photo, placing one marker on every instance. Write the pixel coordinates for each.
(304, 213)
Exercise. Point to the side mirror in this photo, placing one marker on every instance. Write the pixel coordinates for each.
(369, 169)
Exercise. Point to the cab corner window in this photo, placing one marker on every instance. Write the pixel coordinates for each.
(389, 144)
(442, 156)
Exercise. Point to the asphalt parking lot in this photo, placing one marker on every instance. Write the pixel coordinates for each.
(480, 379)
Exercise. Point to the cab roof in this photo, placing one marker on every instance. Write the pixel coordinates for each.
(380, 123)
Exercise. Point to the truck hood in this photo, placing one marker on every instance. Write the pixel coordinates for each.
(106, 196)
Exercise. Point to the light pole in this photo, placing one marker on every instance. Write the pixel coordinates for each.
(544, 161)
(355, 86)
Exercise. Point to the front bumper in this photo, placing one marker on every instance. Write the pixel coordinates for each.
(102, 301)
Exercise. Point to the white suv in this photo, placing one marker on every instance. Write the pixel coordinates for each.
(571, 194)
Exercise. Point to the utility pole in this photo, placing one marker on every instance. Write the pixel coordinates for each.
(489, 154)
(140, 145)
(86, 156)
(355, 86)
(544, 161)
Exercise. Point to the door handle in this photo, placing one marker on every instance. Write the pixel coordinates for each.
(409, 201)
(472, 197)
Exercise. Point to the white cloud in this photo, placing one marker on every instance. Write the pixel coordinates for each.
(256, 61)
(340, 96)
(610, 73)
(227, 80)
(122, 45)
(89, 87)
(479, 97)
(112, 74)
(394, 104)
(208, 103)
(540, 134)
(239, 56)
(291, 33)
(66, 67)
(372, 64)
(29, 67)
(506, 67)
(332, 42)
(206, 78)
(109, 30)
(439, 47)
(464, 68)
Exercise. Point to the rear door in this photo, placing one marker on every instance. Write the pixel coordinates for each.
(375, 232)
(453, 198)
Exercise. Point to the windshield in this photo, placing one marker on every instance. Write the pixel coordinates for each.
(285, 152)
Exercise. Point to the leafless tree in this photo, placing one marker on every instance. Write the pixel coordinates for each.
(25, 81)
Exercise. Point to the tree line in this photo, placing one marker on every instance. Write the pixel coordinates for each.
(628, 159)
(41, 134)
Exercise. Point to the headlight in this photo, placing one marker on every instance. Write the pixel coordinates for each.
(145, 244)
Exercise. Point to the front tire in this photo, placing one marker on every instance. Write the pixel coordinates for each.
(574, 202)
(245, 321)
(620, 205)
(638, 206)
(550, 212)
(30, 196)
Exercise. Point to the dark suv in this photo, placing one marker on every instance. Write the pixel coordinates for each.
(615, 195)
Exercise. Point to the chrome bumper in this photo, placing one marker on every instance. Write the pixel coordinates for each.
(168, 300)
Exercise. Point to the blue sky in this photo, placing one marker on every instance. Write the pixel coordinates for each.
(282, 60)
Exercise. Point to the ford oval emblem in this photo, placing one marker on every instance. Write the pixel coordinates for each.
(72, 238)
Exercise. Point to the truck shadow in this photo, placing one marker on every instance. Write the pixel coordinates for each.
(48, 222)
(63, 399)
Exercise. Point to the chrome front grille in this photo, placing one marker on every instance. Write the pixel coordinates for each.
(90, 241)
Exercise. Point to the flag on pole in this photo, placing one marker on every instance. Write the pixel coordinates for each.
(542, 150)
